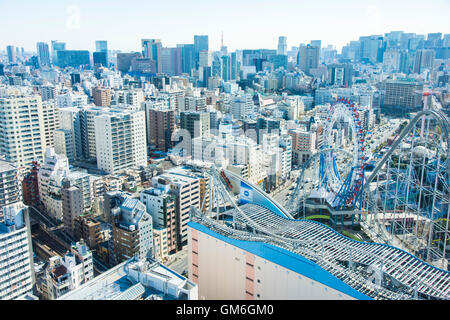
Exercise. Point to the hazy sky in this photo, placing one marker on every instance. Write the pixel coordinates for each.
(246, 24)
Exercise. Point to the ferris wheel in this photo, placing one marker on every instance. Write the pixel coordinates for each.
(346, 190)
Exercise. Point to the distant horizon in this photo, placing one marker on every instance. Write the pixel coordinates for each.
(249, 24)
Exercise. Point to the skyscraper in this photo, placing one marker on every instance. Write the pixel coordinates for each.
(102, 46)
(57, 46)
(151, 48)
(308, 58)
(43, 54)
(11, 54)
(282, 46)
(201, 43)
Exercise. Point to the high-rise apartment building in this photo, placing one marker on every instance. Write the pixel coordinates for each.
(160, 126)
(101, 96)
(16, 254)
(161, 205)
(9, 185)
(51, 121)
(23, 128)
(120, 140)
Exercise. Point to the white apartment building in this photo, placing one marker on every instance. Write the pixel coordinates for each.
(16, 254)
(227, 150)
(22, 127)
(69, 272)
(120, 140)
(69, 120)
(71, 100)
(51, 121)
(54, 169)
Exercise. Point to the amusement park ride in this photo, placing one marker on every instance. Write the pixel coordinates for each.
(402, 205)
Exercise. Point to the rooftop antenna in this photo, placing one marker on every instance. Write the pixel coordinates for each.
(222, 40)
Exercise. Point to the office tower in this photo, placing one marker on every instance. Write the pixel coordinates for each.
(234, 66)
(161, 204)
(2, 69)
(226, 68)
(50, 114)
(187, 58)
(151, 48)
(201, 43)
(205, 59)
(73, 58)
(171, 61)
(75, 78)
(424, 59)
(308, 58)
(371, 48)
(9, 186)
(160, 126)
(101, 96)
(402, 96)
(143, 65)
(23, 130)
(43, 54)
(72, 205)
(16, 255)
(282, 46)
(197, 123)
(100, 58)
(11, 54)
(124, 60)
(279, 61)
(340, 74)
(30, 186)
(57, 46)
(69, 272)
(102, 46)
(120, 140)
(132, 232)
(316, 43)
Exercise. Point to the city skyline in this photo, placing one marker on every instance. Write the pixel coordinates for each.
(244, 25)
